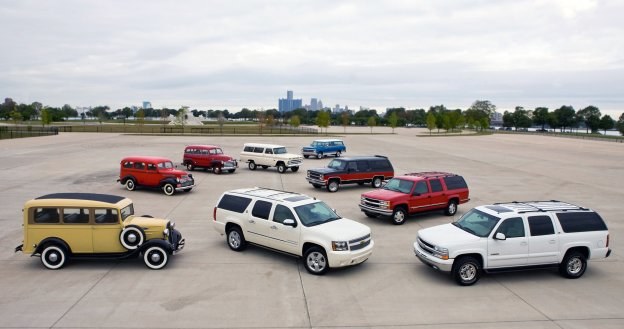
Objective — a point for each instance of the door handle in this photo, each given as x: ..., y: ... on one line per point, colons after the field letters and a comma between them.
x: 523, y: 243
x: 274, y: 227
x: 252, y: 221
x: 551, y: 241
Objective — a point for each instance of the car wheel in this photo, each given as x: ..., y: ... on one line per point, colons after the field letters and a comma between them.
x: 294, y: 169
x: 231, y: 170
x: 573, y: 265
x: 317, y: 185
x: 398, y: 216
x: 217, y: 170
x: 376, y: 183
x: 155, y: 257
x: 235, y: 239
x: 315, y: 261
x: 252, y: 165
x: 370, y: 214
x: 169, y: 189
x: 306, y: 156
x: 319, y: 155
x: 451, y: 208
x: 281, y: 168
x: 190, y: 167
x: 338, y: 154
x: 466, y: 270
x: 131, y: 237
x: 53, y: 257
x: 130, y: 184
x: 332, y: 186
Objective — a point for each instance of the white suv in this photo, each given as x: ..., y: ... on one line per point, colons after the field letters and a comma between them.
x: 509, y: 236
x: 270, y: 155
x: 292, y: 223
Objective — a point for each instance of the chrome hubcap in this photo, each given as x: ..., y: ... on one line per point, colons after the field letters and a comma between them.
x: 574, y: 266
x: 53, y: 257
x: 234, y: 239
x: 132, y: 238
x: 316, y: 261
x: 399, y: 217
x: 467, y: 272
x: 155, y: 257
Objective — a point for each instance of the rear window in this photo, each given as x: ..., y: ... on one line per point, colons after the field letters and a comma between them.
x: 541, y: 225
x: 572, y: 222
x: 234, y: 203
x: 380, y: 164
x: 455, y: 182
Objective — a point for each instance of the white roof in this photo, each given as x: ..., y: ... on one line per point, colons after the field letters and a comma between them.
x: 263, y: 145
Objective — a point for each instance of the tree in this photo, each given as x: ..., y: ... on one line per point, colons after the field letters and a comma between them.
x: 540, y: 116
x: 295, y: 121
x: 322, y: 120
x: 180, y: 118
x: 479, y: 113
x: 565, y: 117
x: 344, y: 119
x: 372, y: 122
x: 606, y: 123
x: 591, y: 117
x: 221, y: 121
x: 620, y: 124
x: 140, y: 116
x: 393, y: 119
x: 16, y: 116
x: 431, y: 121
x: 46, y: 118
x: 521, y: 118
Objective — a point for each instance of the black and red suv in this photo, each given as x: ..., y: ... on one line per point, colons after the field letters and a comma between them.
x: 416, y: 192
x: 349, y: 170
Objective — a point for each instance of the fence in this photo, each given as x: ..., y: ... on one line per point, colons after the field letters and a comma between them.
x: 9, y: 132
x: 180, y: 130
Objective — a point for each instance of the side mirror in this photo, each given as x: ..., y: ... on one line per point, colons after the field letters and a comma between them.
x: 500, y: 236
x: 290, y: 222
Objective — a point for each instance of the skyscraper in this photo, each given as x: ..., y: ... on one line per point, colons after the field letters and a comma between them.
x: 289, y: 103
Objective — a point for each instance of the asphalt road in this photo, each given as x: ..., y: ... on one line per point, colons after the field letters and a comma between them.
x: 209, y: 286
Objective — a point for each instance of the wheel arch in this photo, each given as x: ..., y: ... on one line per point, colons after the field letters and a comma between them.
x: 125, y: 178
x: 475, y: 255
x: 168, y: 180
x: 230, y: 226
x: 584, y: 250
x: 310, y: 244
x: 157, y: 242
x: 51, y: 240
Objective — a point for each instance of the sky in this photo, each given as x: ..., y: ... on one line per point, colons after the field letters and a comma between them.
x: 375, y: 54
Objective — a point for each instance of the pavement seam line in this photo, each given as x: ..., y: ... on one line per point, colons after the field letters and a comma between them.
x: 529, y: 304
x: 305, y: 298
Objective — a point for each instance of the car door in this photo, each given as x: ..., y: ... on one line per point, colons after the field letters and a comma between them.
x: 106, y: 229
x: 286, y: 237
x: 77, y: 229
x: 437, y: 197
x: 543, y: 242
x: 514, y: 249
x: 420, y: 198
x: 258, y: 224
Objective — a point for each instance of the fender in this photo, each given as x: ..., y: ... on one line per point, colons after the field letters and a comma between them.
x: 125, y: 178
x: 216, y: 163
x: 157, y: 242
x: 170, y: 180
x: 46, y: 241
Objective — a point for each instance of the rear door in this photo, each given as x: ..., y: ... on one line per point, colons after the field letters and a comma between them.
x: 437, y: 197
x: 543, y: 242
x: 258, y: 224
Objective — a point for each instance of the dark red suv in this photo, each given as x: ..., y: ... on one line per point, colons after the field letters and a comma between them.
x: 208, y: 157
x: 155, y: 172
x: 416, y: 192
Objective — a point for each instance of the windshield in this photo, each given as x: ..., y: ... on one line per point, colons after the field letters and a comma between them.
x: 477, y: 222
x: 218, y: 151
x: 165, y: 165
x: 399, y: 185
x: 279, y: 150
x: 337, y: 164
x: 127, y: 211
x: 315, y: 213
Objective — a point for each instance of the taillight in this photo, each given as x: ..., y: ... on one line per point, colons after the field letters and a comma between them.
x: 607, y: 240
x: 214, y: 214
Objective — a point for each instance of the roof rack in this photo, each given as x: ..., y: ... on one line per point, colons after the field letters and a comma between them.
x: 429, y: 174
x: 256, y: 191
x: 540, y: 206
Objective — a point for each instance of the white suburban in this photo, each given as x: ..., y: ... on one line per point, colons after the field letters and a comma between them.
x: 270, y: 155
x: 509, y: 236
x: 292, y: 223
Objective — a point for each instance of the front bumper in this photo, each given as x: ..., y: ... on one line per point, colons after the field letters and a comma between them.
x: 429, y: 260
x: 348, y: 258
x: 177, y: 241
x: 229, y: 165
x: 183, y: 187
x: 309, y: 152
x: 316, y: 181
x: 374, y: 210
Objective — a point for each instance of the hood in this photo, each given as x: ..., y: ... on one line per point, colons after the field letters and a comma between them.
x: 223, y: 157
x: 446, y: 235
x: 323, y: 170
x: 386, y: 195
x: 287, y: 156
x: 341, y: 230
x: 175, y: 172
x: 153, y: 227
x: 309, y: 148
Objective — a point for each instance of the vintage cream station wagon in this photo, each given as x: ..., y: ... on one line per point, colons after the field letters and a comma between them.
x: 61, y: 226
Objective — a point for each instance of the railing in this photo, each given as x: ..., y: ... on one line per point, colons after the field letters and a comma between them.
x: 9, y: 132
x: 181, y: 130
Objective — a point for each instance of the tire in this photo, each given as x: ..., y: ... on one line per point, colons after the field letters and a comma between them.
x: 130, y: 184
x: 466, y: 271
x: 294, y: 169
x: 235, y: 239
x: 319, y: 155
x: 573, y: 265
x: 376, y: 183
x: 231, y: 170
x: 398, y: 216
x: 252, y: 165
x: 155, y: 257
x: 53, y: 257
x: 370, y: 214
x: 190, y: 167
x: 306, y: 156
x: 169, y: 189
x: 132, y: 237
x: 338, y: 154
x: 360, y: 183
x: 217, y: 170
x: 315, y: 261
x: 451, y: 208
x: 317, y: 185
x: 281, y: 168
x: 333, y: 185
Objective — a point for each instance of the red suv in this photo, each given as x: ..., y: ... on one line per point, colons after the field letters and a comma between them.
x: 154, y: 172
x: 416, y: 192
x: 208, y: 157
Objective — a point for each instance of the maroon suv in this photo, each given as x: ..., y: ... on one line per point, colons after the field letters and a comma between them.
x: 208, y: 157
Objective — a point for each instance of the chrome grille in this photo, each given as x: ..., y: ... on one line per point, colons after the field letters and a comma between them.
x: 359, y: 243
x: 372, y: 203
x: 426, y: 246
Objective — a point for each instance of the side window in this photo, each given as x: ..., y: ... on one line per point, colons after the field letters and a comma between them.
x: 281, y: 213
x: 212, y: 151
x: 261, y: 209
x: 46, y: 215
x: 541, y: 225
x: 234, y: 203
x: 75, y: 215
x: 436, y: 186
x: 421, y: 188
x: 581, y: 222
x: 352, y: 166
x: 106, y: 216
x: 363, y: 165
x: 268, y: 151
x: 151, y: 166
x: 455, y: 182
x: 512, y: 228
x: 128, y: 164
x: 258, y: 149
x: 248, y: 149
x: 139, y: 165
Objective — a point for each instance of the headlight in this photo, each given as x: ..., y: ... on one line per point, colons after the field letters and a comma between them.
x: 385, y: 204
x: 321, y: 177
x: 178, y: 179
x: 340, y: 246
x: 362, y: 199
x: 441, y: 253
x: 166, y: 233
x: 308, y: 174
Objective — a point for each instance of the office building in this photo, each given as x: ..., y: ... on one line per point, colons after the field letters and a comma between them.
x: 289, y: 103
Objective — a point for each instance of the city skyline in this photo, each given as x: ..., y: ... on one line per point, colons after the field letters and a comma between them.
x: 221, y: 55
